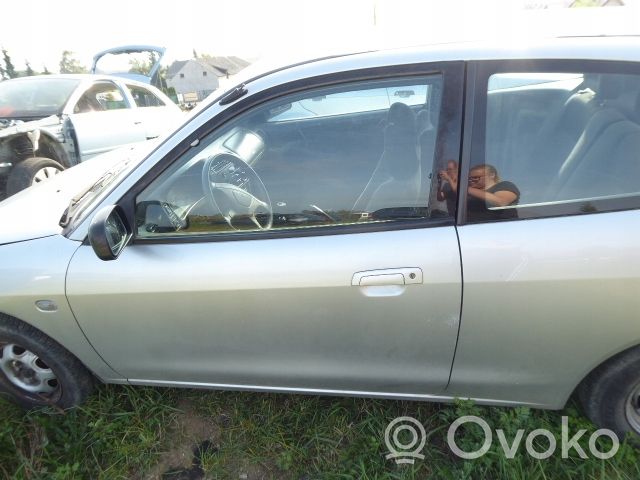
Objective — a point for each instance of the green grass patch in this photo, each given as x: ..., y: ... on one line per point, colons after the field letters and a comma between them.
x: 125, y: 432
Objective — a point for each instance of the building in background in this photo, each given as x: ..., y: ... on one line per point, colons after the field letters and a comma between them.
x: 196, y: 78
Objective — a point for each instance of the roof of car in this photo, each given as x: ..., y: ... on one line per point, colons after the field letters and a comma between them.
x: 81, y: 77
x: 621, y: 48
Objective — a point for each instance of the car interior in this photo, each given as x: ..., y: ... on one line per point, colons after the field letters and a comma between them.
x: 302, y: 171
x: 562, y: 143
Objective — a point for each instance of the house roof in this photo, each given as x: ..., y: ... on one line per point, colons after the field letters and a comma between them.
x: 222, y: 66
x: 175, y: 67
x: 225, y: 65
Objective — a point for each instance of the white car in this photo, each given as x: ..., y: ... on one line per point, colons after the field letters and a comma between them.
x: 52, y: 122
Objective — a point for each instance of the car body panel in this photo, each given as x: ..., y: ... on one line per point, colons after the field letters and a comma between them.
x: 35, y: 270
x: 99, y: 132
x: 157, y: 52
x: 39, y: 216
x: 37, y: 211
x: 286, y: 315
x: 560, y: 307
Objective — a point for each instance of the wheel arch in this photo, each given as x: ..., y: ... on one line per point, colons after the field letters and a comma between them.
x: 49, y: 147
x: 580, y: 390
x: 10, y: 320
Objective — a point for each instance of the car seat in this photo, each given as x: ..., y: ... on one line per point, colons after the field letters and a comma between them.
x: 396, y: 180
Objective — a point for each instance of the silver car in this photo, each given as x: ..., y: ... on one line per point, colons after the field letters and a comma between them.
x: 425, y: 224
x: 52, y: 122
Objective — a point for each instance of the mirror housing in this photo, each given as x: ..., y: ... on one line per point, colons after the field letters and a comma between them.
x: 109, y: 232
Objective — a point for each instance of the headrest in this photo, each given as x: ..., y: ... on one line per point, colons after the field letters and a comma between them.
x: 401, y: 117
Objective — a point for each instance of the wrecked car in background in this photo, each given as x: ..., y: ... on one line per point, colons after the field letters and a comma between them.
x: 52, y: 122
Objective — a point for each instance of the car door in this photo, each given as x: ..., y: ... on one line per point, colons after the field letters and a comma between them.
x: 102, y: 119
x: 257, y: 264
x: 157, y: 116
x: 552, y: 279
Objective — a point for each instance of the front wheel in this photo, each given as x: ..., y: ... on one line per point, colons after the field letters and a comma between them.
x: 31, y: 171
x: 610, y: 395
x: 36, y: 371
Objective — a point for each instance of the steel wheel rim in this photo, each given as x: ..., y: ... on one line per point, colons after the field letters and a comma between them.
x: 26, y: 370
x: 44, y: 174
x: 632, y: 408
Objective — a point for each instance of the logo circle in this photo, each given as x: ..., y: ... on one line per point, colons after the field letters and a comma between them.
x: 409, y: 424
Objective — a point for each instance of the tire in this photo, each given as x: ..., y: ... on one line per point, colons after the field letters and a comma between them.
x: 31, y: 171
x: 610, y: 395
x: 36, y: 371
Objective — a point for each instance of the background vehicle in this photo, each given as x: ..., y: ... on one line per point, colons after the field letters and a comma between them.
x: 52, y: 122
x: 289, y: 238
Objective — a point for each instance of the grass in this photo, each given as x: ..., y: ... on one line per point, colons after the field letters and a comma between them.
x: 125, y: 432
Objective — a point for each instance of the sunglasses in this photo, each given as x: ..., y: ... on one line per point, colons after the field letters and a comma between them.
x: 475, y: 178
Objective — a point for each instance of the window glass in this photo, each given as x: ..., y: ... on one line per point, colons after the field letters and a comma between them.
x: 556, y: 144
x: 358, y: 163
x: 341, y: 103
x: 101, y: 97
x: 144, y: 97
x: 34, y: 96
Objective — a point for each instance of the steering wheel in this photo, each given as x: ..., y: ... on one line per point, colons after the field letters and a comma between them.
x: 234, y: 189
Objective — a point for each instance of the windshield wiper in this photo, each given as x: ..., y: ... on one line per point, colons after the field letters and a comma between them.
x: 75, y: 201
x: 102, y: 182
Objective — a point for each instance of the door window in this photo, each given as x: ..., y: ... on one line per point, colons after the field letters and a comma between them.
x: 354, y: 161
x: 555, y: 144
x: 101, y: 97
x: 144, y: 97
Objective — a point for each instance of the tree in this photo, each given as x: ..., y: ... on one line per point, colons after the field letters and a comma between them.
x: 9, y: 69
x: 29, y: 71
x: 195, y: 54
x: 45, y: 70
x: 69, y: 64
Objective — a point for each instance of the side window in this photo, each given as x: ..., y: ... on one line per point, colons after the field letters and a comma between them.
x: 144, y: 97
x: 340, y: 103
x: 101, y: 97
x: 556, y: 144
x: 358, y: 163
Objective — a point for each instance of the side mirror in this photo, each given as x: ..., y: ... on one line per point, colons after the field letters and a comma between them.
x: 109, y: 232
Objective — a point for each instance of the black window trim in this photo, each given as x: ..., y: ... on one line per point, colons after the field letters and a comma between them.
x: 448, y: 146
x: 474, y: 130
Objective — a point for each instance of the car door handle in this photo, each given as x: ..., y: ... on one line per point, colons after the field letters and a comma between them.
x: 391, y: 276
x: 137, y: 122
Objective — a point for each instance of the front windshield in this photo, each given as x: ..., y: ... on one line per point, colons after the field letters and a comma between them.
x: 35, y: 97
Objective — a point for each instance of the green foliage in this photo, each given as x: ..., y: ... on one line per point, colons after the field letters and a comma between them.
x: 122, y: 431
x: 29, y: 71
x: 9, y: 70
x: 143, y: 67
x: 116, y: 433
x: 69, y: 64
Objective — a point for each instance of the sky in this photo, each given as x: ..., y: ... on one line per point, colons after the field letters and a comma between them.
x: 252, y: 29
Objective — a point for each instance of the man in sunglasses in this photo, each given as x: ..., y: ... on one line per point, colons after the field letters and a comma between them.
x: 489, y: 197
